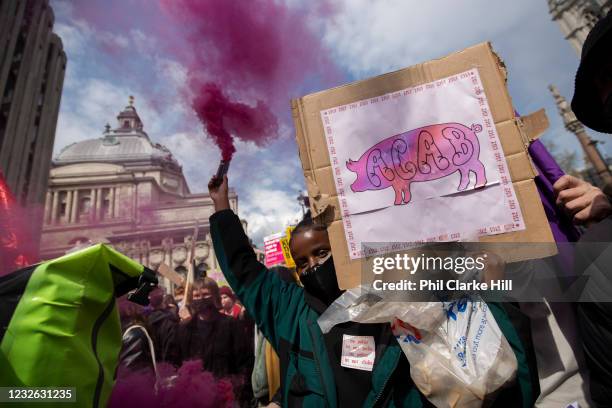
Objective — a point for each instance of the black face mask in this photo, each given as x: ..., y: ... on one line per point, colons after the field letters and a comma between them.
x: 321, y: 282
x: 203, y: 305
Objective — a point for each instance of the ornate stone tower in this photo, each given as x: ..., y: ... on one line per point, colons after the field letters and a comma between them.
x: 577, y: 17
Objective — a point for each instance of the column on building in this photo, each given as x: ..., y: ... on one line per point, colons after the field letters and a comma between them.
x: 92, y: 201
x: 69, y: 199
x: 112, y: 202
x: 48, y: 203
x: 98, y: 209
x: 117, y: 202
x: 54, y: 210
x: 74, y: 213
x: 135, y: 213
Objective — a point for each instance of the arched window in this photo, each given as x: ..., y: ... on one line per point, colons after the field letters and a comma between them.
x: 200, y: 271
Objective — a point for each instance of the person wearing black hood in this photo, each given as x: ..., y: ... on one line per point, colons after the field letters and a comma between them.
x: 216, y: 339
x: 592, y: 104
x: 312, y: 374
x: 161, y: 321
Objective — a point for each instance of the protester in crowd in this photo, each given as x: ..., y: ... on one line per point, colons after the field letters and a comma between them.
x: 136, y: 352
x: 229, y: 307
x: 161, y: 321
x: 592, y: 104
x: 287, y: 315
x: 266, y: 370
x: 216, y: 339
x: 562, y: 371
x: 171, y: 305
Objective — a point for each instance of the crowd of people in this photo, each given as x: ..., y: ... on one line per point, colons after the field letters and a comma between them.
x: 213, y: 328
x: 262, y: 333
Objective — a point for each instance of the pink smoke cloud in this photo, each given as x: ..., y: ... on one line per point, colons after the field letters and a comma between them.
x: 247, y: 59
x: 222, y: 118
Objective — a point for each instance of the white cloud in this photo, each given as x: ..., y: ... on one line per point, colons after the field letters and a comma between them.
x: 145, y: 44
x: 370, y: 38
x: 198, y: 156
x: 374, y: 37
x: 171, y: 70
x: 112, y: 40
x: 74, y: 37
x: 72, y: 128
x: 268, y: 211
x: 93, y: 103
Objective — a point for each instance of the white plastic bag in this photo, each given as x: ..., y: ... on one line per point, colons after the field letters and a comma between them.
x: 456, y: 350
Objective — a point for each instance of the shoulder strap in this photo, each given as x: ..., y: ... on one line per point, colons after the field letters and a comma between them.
x: 151, y: 348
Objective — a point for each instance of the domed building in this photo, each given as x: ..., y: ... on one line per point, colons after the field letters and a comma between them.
x: 128, y: 191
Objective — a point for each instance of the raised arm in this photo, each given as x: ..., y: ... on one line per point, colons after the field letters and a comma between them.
x: 266, y: 297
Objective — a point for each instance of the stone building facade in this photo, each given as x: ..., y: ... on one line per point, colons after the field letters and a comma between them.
x: 577, y: 17
x: 32, y: 68
x: 128, y: 191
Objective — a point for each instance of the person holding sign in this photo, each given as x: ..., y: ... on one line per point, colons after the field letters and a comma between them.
x: 587, y: 204
x: 354, y: 364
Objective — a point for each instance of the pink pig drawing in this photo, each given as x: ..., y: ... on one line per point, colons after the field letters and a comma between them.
x: 420, y: 155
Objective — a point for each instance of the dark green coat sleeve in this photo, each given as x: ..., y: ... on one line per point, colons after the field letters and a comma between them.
x: 273, y: 304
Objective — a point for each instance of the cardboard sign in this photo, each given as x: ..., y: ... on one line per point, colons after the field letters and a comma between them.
x: 165, y: 271
x: 273, y: 250
x: 408, y: 155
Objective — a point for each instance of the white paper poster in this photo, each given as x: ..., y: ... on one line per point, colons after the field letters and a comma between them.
x: 422, y: 164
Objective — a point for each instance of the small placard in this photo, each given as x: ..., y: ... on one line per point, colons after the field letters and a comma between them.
x: 358, y: 352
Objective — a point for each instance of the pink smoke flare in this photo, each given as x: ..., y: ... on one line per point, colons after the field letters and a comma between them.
x: 222, y: 118
x: 247, y: 59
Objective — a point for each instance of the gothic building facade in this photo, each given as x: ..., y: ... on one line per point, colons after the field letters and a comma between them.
x: 130, y: 192
x: 577, y: 17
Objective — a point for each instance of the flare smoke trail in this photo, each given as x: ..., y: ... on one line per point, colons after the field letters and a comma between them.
x: 246, y: 60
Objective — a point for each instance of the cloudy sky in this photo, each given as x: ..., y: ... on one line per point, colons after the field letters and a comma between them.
x: 120, y: 48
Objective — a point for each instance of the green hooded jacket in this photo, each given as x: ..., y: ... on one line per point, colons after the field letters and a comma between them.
x: 282, y: 312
